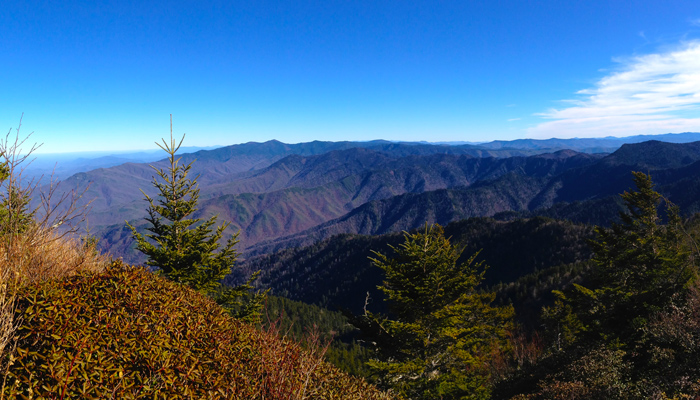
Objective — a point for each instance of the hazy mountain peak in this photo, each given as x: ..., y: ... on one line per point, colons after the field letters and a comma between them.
x: 656, y: 154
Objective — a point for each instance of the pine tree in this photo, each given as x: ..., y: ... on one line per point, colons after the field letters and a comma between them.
x: 5, y: 208
x: 15, y: 212
x: 642, y: 252
x: 187, y: 250
x: 624, y: 334
x: 441, y: 328
x: 641, y: 263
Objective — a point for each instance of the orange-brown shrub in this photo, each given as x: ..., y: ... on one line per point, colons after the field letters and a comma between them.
x: 126, y: 333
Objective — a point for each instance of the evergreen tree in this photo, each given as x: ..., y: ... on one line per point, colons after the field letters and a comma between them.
x: 441, y: 329
x: 625, y: 333
x: 15, y: 213
x: 5, y: 209
x: 187, y: 250
x: 640, y: 264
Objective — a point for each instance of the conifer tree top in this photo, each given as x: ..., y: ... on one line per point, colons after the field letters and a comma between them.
x: 183, y: 248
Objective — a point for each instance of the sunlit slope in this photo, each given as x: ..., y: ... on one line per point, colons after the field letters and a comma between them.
x: 297, y: 192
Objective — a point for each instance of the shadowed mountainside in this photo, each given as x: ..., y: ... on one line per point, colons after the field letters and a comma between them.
x: 300, y: 192
x: 281, y: 195
x: 341, y: 273
x: 586, y: 194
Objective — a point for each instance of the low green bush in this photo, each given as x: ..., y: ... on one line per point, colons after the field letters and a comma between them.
x: 126, y: 333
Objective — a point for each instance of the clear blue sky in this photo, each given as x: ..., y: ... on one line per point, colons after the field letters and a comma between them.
x: 105, y: 75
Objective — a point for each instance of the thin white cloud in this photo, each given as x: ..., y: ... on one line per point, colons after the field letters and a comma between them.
x: 650, y: 94
x: 513, y: 119
x: 695, y: 22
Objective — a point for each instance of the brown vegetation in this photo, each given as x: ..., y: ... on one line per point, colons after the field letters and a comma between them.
x: 127, y: 333
x: 36, y: 242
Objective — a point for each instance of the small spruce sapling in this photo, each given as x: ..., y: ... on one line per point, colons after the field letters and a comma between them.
x: 187, y: 250
x: 15, y: 213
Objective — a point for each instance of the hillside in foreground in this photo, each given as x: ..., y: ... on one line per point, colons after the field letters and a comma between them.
x: 132, y: 334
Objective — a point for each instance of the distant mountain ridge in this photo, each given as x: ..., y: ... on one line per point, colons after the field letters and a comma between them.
x: 65, y: 165
x: 589, y: 145
x: 280, y: 195
x: 586, y: 193
x: 298, y: 193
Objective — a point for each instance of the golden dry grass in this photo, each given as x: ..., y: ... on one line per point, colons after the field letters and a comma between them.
x: 8, y: 324
x: 41, y: 254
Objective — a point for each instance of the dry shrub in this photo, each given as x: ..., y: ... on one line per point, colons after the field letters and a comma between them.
x: 291, y: 364
x: 41, y: 254
x: 38, y: 225
x: 36, y: 237
x: 8, y: 324
x: 521, y: 351
x: 126, y: 333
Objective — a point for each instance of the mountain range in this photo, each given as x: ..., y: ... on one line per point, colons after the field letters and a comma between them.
x: 577, y: 187
x: 63, y: 165
x: 289, y: 195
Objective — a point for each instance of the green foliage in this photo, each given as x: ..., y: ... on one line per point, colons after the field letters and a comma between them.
x: 298, y: 320
x: 530, y: 293
x: 671, y: 337
x: 187, y: 250
x: 240, y: 301
x: 602, y: 373
x: 15, y: 214
x: 184, y: 251
x: 130, y: 334
x: 341, y: 273
x: 4, y: 171
x: 640, y: 264
x: 626, y: 333
x: 441, y: 329
x: 565, y: 325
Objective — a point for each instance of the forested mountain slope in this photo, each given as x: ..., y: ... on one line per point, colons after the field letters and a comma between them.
x: 279, y: 195
x: 586, y: 193
x: 341, y: 273
x: 297, y: 192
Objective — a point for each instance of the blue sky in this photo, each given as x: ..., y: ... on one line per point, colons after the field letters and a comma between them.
x: 103, y: 75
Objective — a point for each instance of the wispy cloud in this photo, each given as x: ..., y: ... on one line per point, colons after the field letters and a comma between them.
x: 695, y: 21
x: 654, y: 93
x: 513, y: 119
